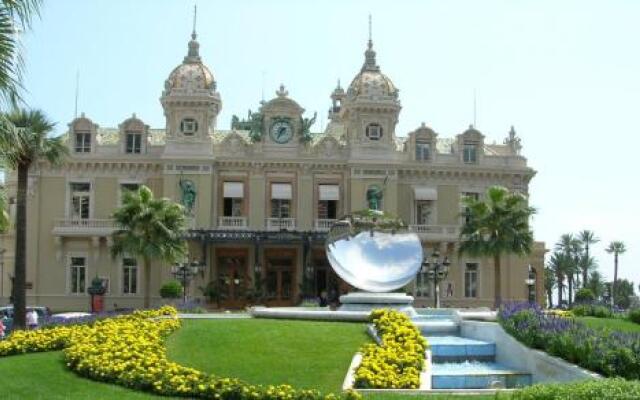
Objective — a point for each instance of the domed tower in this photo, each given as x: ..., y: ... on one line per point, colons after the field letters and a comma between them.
x: 371, y: 106
x: 191, y: 106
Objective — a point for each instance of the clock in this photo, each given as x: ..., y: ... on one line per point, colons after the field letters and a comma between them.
x: 281, y: 132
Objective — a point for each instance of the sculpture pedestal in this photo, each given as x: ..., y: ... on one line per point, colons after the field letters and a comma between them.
x: 368, y: 301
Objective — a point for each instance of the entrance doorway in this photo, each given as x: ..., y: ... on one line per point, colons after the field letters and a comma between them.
x: 280, y: 277
x: 232, y: 277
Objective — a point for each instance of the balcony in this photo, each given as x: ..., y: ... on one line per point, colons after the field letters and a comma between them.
x: 83, y: 227
x: 278, y: 224
x: 232, y: 222
x: 436, y: 232
x: 324, y: 224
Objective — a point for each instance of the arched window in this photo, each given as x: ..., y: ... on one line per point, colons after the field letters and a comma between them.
x: 374, y: 131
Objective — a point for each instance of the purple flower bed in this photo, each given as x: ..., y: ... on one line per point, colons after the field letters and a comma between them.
x: 608, y: 352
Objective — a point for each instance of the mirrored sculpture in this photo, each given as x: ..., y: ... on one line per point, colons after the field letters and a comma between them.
x: 373, y: 251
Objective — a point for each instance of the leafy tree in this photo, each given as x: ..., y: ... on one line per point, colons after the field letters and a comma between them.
x: 623, y: 292
x: 495, y: 227
x: 15, y: 15
x: 549, y: 284
x: 5, y: 221
x: 596, y: 284
x: 23, y: 141
x: 616, y: 248
x: 151, y: 229
x: 571, y: 247
x: 586, y: 264
x: 587, y: 238
x: 585, y: 295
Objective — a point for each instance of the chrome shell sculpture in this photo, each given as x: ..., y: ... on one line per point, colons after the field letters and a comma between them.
x: 373, y: 252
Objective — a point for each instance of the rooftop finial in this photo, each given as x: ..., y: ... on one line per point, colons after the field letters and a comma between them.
x: 370, y: 44
x: 195, y: 14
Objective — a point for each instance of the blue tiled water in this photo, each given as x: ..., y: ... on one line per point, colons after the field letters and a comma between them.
x: 464, y: 363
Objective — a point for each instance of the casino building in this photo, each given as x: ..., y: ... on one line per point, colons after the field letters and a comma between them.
x: 262, y: 195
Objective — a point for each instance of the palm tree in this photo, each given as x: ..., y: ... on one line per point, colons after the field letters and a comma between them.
x: 497, y: 227
x: 571, y: 247
x: 558, y: 266
x: 151, y: 229
x: 5, y: 221
x: 15, y: 15
x: 617, y: 248
x: 24, y: 141
x: 587, y: 238
x: 549, y: 284
x: 596, y: 284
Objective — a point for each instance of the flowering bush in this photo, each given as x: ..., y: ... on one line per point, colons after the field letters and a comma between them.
x: 610, y: 353
x: 128, y: 350
x: 397, y: 362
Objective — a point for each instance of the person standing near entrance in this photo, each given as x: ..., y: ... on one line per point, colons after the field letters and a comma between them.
x: 32, y: 319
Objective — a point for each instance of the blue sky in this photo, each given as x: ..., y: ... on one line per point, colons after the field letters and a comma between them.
x: 565, y: 74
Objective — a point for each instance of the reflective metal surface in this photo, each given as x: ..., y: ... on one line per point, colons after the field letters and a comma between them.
x: 372, y: 254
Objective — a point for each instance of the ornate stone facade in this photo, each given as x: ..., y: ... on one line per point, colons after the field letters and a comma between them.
x: 262, y: 195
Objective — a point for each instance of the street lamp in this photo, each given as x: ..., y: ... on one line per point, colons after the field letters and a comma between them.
x: 531, y: 283
x: 184, y: 273
x: 436, y: 270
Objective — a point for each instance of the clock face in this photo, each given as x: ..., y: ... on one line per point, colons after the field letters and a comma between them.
x: 281, y: 132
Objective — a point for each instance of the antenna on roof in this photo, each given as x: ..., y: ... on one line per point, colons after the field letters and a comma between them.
x: 370, y: 33
x: 75, y: 111
x: 195, y: 14
x: 262, y: 93
x: 474, y: 108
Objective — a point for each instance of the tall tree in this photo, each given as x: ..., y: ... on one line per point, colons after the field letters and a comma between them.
x: 151, y: 229
x: 24, y: 141
x: 571, y: 247
x: 596, y: 284
x: 616, y: 248
x: 558, y: 265
x: 5, y: 221
x: 15, y: 15
x: 549, y: 284
x: 587, y: 238
x: 495, y: 227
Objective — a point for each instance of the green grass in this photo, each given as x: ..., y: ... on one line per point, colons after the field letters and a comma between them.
x: 303, y: 354
x: 44, y: 376
x: 616, y: 324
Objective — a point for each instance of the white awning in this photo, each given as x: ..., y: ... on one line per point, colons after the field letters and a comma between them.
x: 329, y: 192
x: 281, y: 191
x: 233, y: 189
x: 425, y: 193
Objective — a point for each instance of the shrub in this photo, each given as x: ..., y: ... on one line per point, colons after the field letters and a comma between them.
x: 591, y: 310
x: 612, y: 354
x: 634, y: 315
x: 594, y: 389
x: 171, y: 290
x: 395, y: 363
x: 585, y: 295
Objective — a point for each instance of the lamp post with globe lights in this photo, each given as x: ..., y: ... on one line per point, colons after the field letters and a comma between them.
x: 437, y: 270
x: 184, y: 272
x: 530, y: 281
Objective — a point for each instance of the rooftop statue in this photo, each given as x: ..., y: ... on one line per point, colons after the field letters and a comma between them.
x: 305, y: 127
x: 253, y: 123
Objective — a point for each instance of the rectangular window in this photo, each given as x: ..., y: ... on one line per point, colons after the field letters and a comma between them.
x: 134, y: 143
x: 83, y: 142
x: 327, y: 209
x: 77, y: 275
x: 471, y: 280
x: 232, y: 207
x: 473, y: 195
x: 233, y: 194
x: 129, y: 276
x: 423, y: 212
x: 470, y: 153
x: 80, y: 200
x: 280, y: 208
x: 423, y: 150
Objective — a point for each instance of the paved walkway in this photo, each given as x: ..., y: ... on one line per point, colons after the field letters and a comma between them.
x: 218, y: 315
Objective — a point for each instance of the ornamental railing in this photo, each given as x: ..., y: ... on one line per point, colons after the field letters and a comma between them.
x: 232, y: 222
x: 277, y: 224
x: 324, y: 224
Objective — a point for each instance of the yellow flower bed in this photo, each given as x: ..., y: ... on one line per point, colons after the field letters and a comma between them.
x: 129, y: 351
x: 397, y: 363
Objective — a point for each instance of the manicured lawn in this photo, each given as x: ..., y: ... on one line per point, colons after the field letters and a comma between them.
x: 303, y: 354
x: 44, y: 376
x: 615, y: 324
